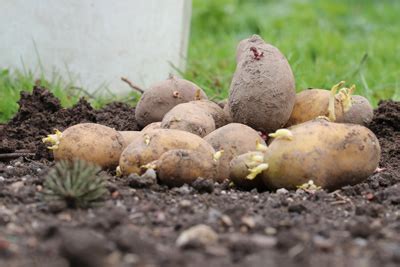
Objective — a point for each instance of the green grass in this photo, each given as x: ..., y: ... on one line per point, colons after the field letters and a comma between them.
x: 324, y: 41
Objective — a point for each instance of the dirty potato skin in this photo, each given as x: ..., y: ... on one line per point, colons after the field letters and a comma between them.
x: 189, y: 117
x: 312, y: 103
x: 181, y: 166
x: 163, y: 96
x: 330, y: 154
x: 91, y: 142
x: 214, y: 110
x: 150, y: 146
x: 239, y: 169
x: 129, y: 136
x: 262, y: 92
x: 234, y: 139
x: 361, y: 111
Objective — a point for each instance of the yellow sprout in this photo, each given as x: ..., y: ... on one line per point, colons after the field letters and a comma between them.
x: 332, y: 97
x: 256, y: 171
x: 217, y: 155
x: 260, y: 147
x: 257, y: 158
x: 53, y: 139
x: 309, y: 186
x: 345, y: 97
x: 282, y: 133
x: 150, y: 165
x: 118, y: 171
x: 197, y: 95
x: 146, y: 139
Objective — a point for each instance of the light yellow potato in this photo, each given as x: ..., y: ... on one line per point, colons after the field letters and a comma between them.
x: 189, y: 117
x: 181, y: 166
x: 313, y: 103
x: 129, y: 136
x: 150, y: 146
x: 91, y: 142
x: 152, y: 126
x: 234, y: 139
x: 330, y: 154
x: 241, y: 168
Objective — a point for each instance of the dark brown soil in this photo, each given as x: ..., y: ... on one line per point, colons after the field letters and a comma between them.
x: 139, y: 222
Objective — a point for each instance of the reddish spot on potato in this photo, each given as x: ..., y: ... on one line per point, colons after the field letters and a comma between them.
x: 257, y: 55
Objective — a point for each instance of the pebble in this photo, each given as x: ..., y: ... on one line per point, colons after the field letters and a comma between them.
x: 200, y: 234
x: 248, y: 222
x: 185, y: 203
x: 16, y: 186
x: 2, y: 178
x: 270, y: 231
x: 282, y: 191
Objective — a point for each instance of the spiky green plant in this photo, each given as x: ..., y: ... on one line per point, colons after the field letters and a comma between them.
x: 77, y: 183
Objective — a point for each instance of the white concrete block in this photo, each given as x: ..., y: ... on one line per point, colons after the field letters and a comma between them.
x: 95, y: 42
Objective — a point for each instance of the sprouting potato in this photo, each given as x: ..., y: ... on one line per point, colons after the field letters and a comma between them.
x: 181, y: 166
x: 329, y: 154
x: 91, y: 142
x: 245, y: 169
x: 152, y: 126
x: 163, y: 96
x: 150, y: 146
x: 339, y: 106
x: 233, y: 139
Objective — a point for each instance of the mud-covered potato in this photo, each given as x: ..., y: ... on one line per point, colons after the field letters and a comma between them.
x: 243, y: 170
x: 163, y: 96
x: 262, y: 92
x: 129, y: 136
x: 330, y: 154
x: 189, y: 117
x: 150, y: 146
x: 339, y: 107
x: 181, y: 166
x: 91, y: 142
x: 214, y: 110
x: 234, y: 139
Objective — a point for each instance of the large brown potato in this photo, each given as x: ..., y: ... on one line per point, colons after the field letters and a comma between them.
x: 163, y: 96
x: 330, y: 154
x: 189, y: 117
x: 181, y: 166
x: 150, y: 146
x: 234, y: 139
x: 262, y: 91
x: 91, y: 142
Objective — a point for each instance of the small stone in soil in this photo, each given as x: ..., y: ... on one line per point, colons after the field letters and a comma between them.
x: 144, y: 181
x: 203, y: 185
x: 197, y: 236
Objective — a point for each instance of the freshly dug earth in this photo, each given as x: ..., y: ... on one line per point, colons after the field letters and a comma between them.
x: 355, y: 226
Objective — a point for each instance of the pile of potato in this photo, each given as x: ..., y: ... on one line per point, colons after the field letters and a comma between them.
x: 186, y: 136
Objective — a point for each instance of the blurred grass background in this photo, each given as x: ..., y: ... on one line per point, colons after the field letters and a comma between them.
x: 324, y: 41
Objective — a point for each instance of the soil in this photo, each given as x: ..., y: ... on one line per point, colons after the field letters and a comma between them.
x: 139, y: 222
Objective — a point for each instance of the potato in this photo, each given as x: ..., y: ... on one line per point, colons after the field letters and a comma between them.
x: 129, y: 136
x: 189, y: 117
x: 347, y: 108
x: 181, y: 166
x: 330, y: 154
x: 152, y: 126
x: 91, y: 142
x: 241, y: 167
x: 163, y: 96
x: 234, y: 139
x: 361, y: 111
x: 262, y: 92
x: 214, y: 110
x: 150, y: 146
